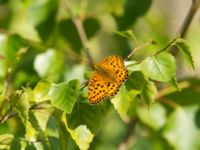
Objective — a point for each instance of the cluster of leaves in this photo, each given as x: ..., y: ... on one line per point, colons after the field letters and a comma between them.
x: 40, y: 111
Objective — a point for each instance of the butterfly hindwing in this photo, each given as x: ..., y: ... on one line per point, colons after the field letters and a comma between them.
x: 97, y: 88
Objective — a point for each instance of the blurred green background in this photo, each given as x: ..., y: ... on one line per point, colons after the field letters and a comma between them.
x: 38, y: 40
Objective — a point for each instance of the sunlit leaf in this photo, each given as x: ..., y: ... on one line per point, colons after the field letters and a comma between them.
x: 154, y: 117
x: 38, y: 11
x: 185, y: 50
x: 149, y: 92
x: 41, y: 91
x: 5, y: 140
x: 81, y: 135
x: 122, y: 101
x: 42, y: 115
x: 64, y: 95
x: 160, y: 67
x: 49, y: 64
x: 22, y: 104
x: 180, y: 130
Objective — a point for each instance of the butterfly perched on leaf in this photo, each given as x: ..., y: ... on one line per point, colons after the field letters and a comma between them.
x: 107, y: 78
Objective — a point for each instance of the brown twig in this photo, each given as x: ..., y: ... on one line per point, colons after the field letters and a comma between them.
x: 81, y: 31
x: 187, y: 22
x: 168, y: 90
x: 140, y: 47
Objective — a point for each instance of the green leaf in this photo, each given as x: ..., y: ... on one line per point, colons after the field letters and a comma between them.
x: 22, y: 104
x: 38, y: 11
x: 174, y: 83
x: 122, y: 101
x: 185, y: 50
x: 160, y: 67
x: 181, y: 131
x: 127, y: 34
x: 149, y: 92
x: 132, y: 11
x: 13, y: 44
x: 64, y: 96
x: 154, y: 117
x: 41, y: 91
x: 137, y: 81
x: 84, y: 113
x: 49, y: 64
x: 5, y: 140
x: 41, y: 116
x: 81, y: 135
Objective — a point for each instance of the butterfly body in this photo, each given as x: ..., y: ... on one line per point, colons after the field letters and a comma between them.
x: 106, y: 73
x: 107, y: 78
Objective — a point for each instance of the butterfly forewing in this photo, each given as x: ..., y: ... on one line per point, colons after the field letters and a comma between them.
x: 107, y: 79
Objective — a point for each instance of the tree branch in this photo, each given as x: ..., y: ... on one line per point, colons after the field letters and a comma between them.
x: 81, y: 31
x: 10, y: 114
x: 187, y: 22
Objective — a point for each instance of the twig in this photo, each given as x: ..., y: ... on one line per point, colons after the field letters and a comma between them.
x: 187, y: 22
x: 170, y: 103
x: 81, y: 31
x: 168, y: 90
x: 11, y: 113
x: 140, y: 47
x: 131, y: 126
x: 8, y: 116
x: 168, y: 44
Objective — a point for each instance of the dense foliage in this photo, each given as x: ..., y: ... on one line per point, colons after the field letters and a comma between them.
x: 47, y: 48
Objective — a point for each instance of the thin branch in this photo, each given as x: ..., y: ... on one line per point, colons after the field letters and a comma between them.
x: 170, y: 103
x: 131, y: 126
x: 81, y: 31
x: 189, y: 17
x: 168, y: 44
x: 140, y: 47
x: 168, y: 90
x: 187, y: 22
x: 10, y: 114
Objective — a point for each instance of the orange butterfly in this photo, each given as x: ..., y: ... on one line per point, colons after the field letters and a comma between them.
x: 107, y: 78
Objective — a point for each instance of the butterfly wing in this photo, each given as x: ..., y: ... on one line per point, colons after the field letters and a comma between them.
x: 112, y: 89
x: 116, y: 65
x: 97, y: 88
x: 107, y: 79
